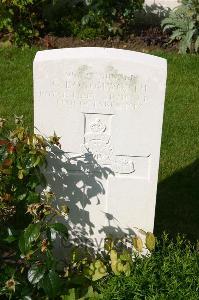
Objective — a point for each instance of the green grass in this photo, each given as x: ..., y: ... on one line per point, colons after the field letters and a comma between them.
x: 178, y: 189
x: 16, y: 84
x: 170, y: 273
x: 177, y: 207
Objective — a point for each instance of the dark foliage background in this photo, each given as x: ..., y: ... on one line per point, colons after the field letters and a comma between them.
x: 22, y: 21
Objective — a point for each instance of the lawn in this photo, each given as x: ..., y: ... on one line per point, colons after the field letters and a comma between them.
x: 178, y: 189
x: 170, y: 273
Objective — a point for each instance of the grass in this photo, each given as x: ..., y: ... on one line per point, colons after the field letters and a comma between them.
x: 178, y: 189
x: 16, y: 84
x: 170, y: 273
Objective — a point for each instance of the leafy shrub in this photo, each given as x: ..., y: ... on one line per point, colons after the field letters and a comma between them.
x: 22, y: 20
x: 112, y: 17
x: 183, y: 22
x: 88, y: 33
x: 63, y: 16
x: 27, y: 216
x: 92, y: 18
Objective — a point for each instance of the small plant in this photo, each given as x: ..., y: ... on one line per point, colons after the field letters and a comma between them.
x: 28, y: 218
x: 21, y: 156
x: 31, y: 223
x: 183, y: 22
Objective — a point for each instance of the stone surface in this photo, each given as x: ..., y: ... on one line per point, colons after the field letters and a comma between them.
x: 107, y: 106
x: 164, y: 3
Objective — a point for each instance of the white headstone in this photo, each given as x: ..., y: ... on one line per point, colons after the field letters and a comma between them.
x: 107, y: 106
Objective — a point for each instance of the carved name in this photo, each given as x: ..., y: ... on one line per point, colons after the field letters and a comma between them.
x: 97, y: 90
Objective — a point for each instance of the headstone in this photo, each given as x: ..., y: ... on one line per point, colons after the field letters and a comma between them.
x: 107, y: 107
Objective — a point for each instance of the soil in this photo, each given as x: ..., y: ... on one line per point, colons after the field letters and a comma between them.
x: 144, y: 41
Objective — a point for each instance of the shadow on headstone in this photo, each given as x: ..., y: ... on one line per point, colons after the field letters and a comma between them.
x: 177, y: 206
x: 78, y: 183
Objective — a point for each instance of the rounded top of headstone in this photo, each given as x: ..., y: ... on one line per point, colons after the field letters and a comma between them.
x: 103, y: 53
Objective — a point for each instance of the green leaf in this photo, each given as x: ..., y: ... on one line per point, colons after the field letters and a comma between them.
x: 168, y: 26
x: 113, y: 256
x: 60, y: 228
x: 141, y: 231
x: 85, y: 20
x: 183, y: 46
x: 188, y: 38
x: 126, y: 256
x: 51, y: 284
x: 11, y: 236
x: 36, y: 161
x: 22, y: 197
x: 23, y: 246
x: 10, y: 239
x: 117, y: 267
x: 165, y: 21
x: 33, y: 197
x: 137, y: 243
x: 115, y: 262
x: 108, y: 244
x: 32, y: 232
x: 50, y: 260
x: 150, y: 241
x: 89, y: 294
x: 70, y: 295
x: 197, y: 44
x: 127, y: 269
x: 30, y: 235
x: 97, y: 270
x: 176, y: 35
x: 20, y: 174
x: 35, y: 274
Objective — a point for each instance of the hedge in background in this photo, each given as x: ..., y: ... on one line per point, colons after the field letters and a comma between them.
x: 21, y: 21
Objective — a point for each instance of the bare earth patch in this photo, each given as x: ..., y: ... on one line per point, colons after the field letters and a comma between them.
x: 145, y: 41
